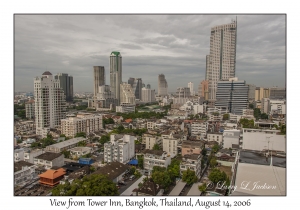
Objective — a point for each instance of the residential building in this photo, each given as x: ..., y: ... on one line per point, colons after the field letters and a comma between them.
x: 220, y: 63
x: 151, y: 124
x: 199, y: 128
x: 99, y: 79
x: 30, y: 109
x: 232, y: 94
x: 148, y: 95
x: 50, y: 103
x: 191, y: 147
x: 203, y: 89
x: 264, y: 105
x: 125, y: 108
x: 115, y: 74
x: 155, y: 158
x: 29, y: 155
x: 218, y: 137
x: 192, y: 162
x: 191, y: 86
x: 66, y: 83
x: 65, y: 145
x: 127, y: 95
x: 277, y: 93
x: 19, y: 154
x: 183, y: 92
x: 77, y: 152
x: 162, y: 85
x: 263, y: 139
x: 149, y: 188
x: 251, y: 93
x: 114, y: 170
x: 52, y: 177
x: 261, y: 93
x: 136, y: 85
x: 277, y: 107
x: 83, y: 122
x: 231, y: 137
x: 248, y: 112
x: 120, y: 148
x: 151, y: 140
x: 49, y: 159
x: 24, y: 172
x: 170, y: 145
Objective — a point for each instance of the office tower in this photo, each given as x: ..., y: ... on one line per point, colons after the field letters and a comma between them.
x: 136, y: 84
x: 148, y: 95
x: 50, y: 103
x: 251, y: 94
x: 191, y: 86
x: 115, y: 74
x: 148, y: 86
x: 220, y: 63
x: 99, y: 78
x: 162, y: 85
x: 66, y: 83
x: 183, y: 92
x: 203, y: 89
x: 126, y: 94
x: 277, y: 93
x: 261, y: 93
x: 232, y: 94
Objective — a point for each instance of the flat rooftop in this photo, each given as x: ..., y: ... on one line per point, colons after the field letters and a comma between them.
x: 259, y: 158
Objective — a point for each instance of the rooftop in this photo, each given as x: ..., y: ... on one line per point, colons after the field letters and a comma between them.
x: 52, y: 174
x: 112, y: 169
x: 66, y: 143
x: 153, y: 152
x: 191, y: 156
x: 46, y: 73
x: 188, y: 143
x: 49, y: 156
x: 18, y: 165
x: 149, y: 187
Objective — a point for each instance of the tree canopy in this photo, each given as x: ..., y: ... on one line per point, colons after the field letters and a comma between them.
x: 189, y: 177
x: 81, y: 134
x: 217, y: 176
x: 93, y: 185
x: 144, y: 115
x: 226, y: 116
x: 156, y: 147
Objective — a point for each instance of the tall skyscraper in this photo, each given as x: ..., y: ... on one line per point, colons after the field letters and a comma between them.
x: 99, y: 78
x: 233, y: 94
x: 50, y: 103
x: 162, y: 85
x: 126, y: 94
x: 115, y: 74
x: 203, y: 89
x: 191, y: 86
x: 220, y: 63
x: 136, y: 84
x: 66, y: 83
x: 148, y: 95
x: 148, y: 86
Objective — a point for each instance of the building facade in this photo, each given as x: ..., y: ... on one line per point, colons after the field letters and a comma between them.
x: 127, y: 95
x: 30, y: 109
x: 162, y: 85
x: 155, y: 158
x: 192, y: 162
x: 183, y: 92
x: 203, y: 89
x: 148, y: 95
x: 99, y: 79
x: 220, y: 63
x: 66, y: 83
x: 115, y: 74
x: 191, y: 86
x: 136, y: 85
x: 50, y: 103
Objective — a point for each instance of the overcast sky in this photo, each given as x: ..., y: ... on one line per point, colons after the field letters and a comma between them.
x: 174, y: 45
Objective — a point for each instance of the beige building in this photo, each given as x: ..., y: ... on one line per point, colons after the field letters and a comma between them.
x: 80, y: 151
x: 126, y: 94
x: 29, y: 109
x: 150, y: 140
x: 192, y: 162
x: 203, y: 89
x: 83, y: 122
x: 170, y: 146
x: 261, y: 93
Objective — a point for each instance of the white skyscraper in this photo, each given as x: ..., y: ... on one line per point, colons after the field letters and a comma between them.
x: 115, y: 74
x: 220, y: 63
x: 148, y: 95
x: 162, y: 85
x: 191, y: 86
x: 50, y: 103
x: 126, y: 94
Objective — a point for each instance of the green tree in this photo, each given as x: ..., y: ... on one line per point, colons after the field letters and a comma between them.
x: 204, y: 152
x: 81, y: 134
x: 92, y: 185
x: 141, y: 162
x: 162, y: 178
x: 47, y: 141
x: 22, y: 114
x: 189, y: 177
x: 62, y: 135
x: 156, y: 147
x: 66, y: 153
x: 81, y: 144
x: 132, y: 170
x: 202, y: 188
x: 137, y: 174
x: 246, y: 123
x: 104, y: 139
x: 264, y: 116
x: 92, y: 169
x: 257, y: 113
x: 283, y: 129
x: 226, y: 116
x: 215, y: 148
x: 217, y: 176
x: 213, y: 162
x: 174, y: 169
x: 35, y: 145
x: 19, y: 141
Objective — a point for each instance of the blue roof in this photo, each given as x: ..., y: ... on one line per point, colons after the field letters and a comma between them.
x: 133, y: 162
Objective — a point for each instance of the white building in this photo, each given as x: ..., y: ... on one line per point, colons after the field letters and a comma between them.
x: 127, y: 95
x: 19, y: 154
x: 151, y: 140
x: 231, y: 137
x: 31, y: 154
x: 80, y: 151
x: 24, y: 172
x: 155, y: 158
x: 50, y: 103
x: 30, y: 109
x: 125, y: 108
x: 191, y: 86
x: 218, y: 137
x: 120, y: 148
x: 277, y: 106
x: 148, y: 95
x: 192, y: 162
x: 195, y: 108
x: 199, y: 128
x: 49, y: 159
x: 83, y: 122
x: 220, y: 63
x: 264, y: 105
x: 261, y: 139
x: 170, y: 146
x: 65, y: 145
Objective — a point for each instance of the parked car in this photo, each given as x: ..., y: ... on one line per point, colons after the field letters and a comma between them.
x: 131, y: 177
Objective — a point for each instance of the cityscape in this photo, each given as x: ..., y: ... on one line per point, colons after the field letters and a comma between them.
x: 211, y: 123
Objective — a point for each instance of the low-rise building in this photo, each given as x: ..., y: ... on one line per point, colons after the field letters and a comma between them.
x: 18, y: 154
x: 149, y: 188
x: 52, y: 177
x: 80, y: 151
x: 231, y: 137
x: 29, y: 155
x: 150, y: 140
x: 199, y: 128
x: 24, y: 172
x: 170, y: 145
x: 49, y: 159
x: 155, y: 158
x: 218, y: 137
x: 29, y: 109
x: 125, y: 108
x: 65, y: 145
x: 192, y: 162
x: 191, y: 147
x: 114, y: 171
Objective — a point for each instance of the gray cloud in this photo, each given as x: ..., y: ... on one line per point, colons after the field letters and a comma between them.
x: 175, y: 45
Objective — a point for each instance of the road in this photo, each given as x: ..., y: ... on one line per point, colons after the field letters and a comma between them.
x: 128, y: 191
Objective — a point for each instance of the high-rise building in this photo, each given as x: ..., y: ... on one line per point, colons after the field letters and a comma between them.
x: 148, y: 95
x: 29, y: 109
x: 277, y: 93
x: 251, y: 94
x: 148, y: 86
x: 126, y: 94
x: 203, y: 89
x: 183, y: 92
x: 220, y: 63
x: 162, y: 85
x: 261, y: 93
x: 115, y: 74
x: 50, y: 103
x: 66, y: 83
x: 232, y: 94
x: 99, y: 78
x: 136, y: 84
x: 191, y: 86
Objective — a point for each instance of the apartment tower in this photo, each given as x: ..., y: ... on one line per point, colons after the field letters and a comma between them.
x: 162, y: 85
x: 99, y: 78
x: 136, y: 84
x: 115, y: 74
x: 66, y: 83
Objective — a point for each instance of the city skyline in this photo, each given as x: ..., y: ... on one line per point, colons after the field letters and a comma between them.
x: 48, y: 42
